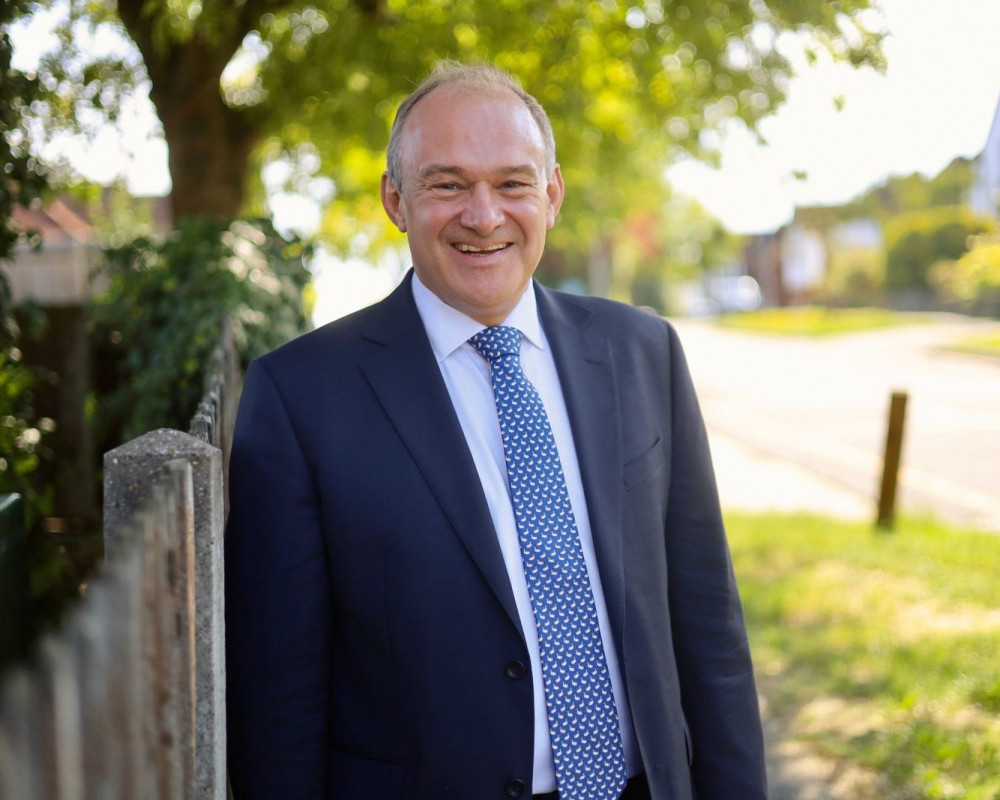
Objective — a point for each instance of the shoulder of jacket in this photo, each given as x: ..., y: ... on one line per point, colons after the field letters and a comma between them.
x: 616, y: 319
x: 323, y: 345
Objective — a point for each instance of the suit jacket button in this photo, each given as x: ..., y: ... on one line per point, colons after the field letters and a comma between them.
x: 514, y: 787
x: 514, y: 670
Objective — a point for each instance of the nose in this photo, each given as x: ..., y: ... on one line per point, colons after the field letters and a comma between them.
x: 482, y: 212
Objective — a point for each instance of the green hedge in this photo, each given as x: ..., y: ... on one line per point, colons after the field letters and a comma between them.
x: 972, y: 281
x: 161, y: 316
x: 918, y: 240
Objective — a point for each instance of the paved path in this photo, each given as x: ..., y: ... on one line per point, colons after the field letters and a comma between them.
x: 800, y: 423
x: 752, y: 480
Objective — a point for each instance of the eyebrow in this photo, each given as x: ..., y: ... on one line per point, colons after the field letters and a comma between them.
x: 433, y: 170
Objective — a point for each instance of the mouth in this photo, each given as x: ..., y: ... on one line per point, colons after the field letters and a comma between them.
x: 485, y: 250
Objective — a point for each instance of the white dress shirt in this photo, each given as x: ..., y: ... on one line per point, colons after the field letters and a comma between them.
x: 467, y: 377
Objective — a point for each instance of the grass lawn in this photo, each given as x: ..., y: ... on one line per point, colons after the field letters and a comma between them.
x: 987, y: 344
x: 880, y: 651
x: 817, y: 320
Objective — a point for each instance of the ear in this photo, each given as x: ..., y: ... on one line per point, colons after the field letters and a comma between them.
x: 555, y: 190
x: 392, y: 202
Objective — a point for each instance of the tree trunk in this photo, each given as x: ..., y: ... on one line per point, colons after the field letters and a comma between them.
x: 209, y: 149
x: 209, y: 143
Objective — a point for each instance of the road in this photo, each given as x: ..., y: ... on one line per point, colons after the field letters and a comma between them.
x: 820, y: 406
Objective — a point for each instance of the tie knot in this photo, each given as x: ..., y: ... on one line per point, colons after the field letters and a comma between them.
x: 496, y: 342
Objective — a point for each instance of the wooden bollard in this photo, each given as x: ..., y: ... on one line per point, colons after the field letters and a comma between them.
x: 890, y: 464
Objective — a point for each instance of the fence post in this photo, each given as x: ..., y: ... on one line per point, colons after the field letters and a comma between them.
x: 109, y: 718
x: 61, y: 709
x: 215, y: 418
x: 26, y: 764
x: 13, y: 581
x: 129, y: 473
x: 890, y: 464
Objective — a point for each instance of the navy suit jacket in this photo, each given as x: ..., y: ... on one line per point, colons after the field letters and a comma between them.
x: 374, y: 650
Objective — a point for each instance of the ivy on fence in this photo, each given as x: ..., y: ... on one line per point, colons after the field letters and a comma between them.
x: 159, y: 319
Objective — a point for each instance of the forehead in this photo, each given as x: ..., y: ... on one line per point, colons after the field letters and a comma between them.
x: 474, y: 125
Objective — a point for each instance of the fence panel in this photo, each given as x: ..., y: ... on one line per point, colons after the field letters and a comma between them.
x: 127, y: 699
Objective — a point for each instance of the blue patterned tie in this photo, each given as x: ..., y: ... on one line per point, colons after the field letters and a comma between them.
x: 583, y: 723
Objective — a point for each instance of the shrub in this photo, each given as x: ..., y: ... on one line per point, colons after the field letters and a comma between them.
x: 917, y: 240
x: 23, y: 432
x: 972, y: 281
x: 161, y: 316
x: 855, y: 276
x: 22, y: 436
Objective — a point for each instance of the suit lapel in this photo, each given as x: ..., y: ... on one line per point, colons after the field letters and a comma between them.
x: 405, y: 376
x: 586, y: 371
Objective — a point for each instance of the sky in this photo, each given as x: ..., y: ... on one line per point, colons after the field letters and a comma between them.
x: 935, y: 101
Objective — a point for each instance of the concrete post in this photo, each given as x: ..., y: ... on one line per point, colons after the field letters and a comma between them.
x: 129, y: 473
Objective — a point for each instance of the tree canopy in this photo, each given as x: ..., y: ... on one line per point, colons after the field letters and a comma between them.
x: 915, y: 192
x: 23, y: 177
x: 241, y: 83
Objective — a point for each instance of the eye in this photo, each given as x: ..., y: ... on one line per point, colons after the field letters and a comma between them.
x: 447, y: 186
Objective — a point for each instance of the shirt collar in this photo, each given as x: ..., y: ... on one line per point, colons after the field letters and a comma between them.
x: 448, y: 328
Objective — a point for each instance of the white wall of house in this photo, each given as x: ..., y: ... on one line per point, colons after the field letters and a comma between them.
x: 985, y: 193
x: 803, y: 259
x: 57, y: 275
x: 856, y: 233
x: 60, y: 273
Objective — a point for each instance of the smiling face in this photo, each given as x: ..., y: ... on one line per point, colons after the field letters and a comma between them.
x: 476, y: 201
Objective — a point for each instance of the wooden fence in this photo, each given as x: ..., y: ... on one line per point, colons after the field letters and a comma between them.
x: 127, y: 700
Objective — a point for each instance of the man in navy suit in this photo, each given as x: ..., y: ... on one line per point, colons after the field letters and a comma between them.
x: 381, y: 639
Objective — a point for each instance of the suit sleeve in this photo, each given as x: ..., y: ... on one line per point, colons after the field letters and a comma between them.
x: 278, y: 602
x: 710, y: 641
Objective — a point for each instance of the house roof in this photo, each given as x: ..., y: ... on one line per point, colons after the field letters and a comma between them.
x: 63, y: 221
x: 66, y: 221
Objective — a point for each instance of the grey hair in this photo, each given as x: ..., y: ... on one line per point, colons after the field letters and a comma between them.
x: 485, y: 77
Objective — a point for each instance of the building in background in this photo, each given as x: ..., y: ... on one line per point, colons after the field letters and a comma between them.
x: 58, y: 275
x: 985, y: 193
x: 789, y: 264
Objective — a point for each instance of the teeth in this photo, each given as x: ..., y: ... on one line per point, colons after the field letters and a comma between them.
x: 468, y: 248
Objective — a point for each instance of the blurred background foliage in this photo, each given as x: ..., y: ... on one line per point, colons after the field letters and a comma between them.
x: 23, y: 434
x: 918, y: 239
x: 313, y: 87
x: 160, y: 318
x: 925, y: 230
x: 23, y: 180
x: 915, y: 192
x: 972, y: 280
